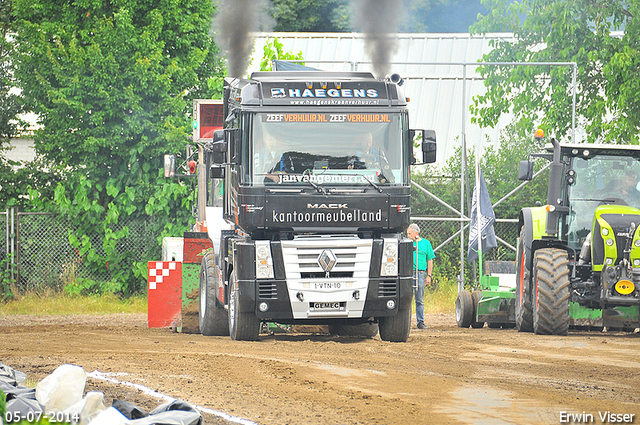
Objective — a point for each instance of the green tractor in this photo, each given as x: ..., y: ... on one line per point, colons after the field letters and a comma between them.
x: 578, y: 257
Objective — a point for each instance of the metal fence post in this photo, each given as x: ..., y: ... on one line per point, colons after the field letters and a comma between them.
x: 11, y: 235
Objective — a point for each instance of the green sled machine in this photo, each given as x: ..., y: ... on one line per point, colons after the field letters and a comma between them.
x: 578, y: 256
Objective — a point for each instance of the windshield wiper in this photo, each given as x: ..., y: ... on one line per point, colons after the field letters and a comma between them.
x: 378, y: 188
x: 316, y: 186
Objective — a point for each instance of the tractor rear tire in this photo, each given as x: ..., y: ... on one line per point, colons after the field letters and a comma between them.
x: 243, y: 326
x: 464, y: 309
x: 524, y: 309
x: 396, y: 328
x: 552, y: 296
x: 213, y: 319
x: 476, y: 296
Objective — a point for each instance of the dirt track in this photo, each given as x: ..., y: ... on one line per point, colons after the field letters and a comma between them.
x: 442, y: 375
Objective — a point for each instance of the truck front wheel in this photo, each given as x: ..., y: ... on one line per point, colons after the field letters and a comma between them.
x: 213, y: 317
x: 396, y: 328
x: 551, y: 300
x: 243, y: 326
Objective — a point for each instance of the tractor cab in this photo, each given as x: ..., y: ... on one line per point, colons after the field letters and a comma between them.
x: 582, y: 249
x: 601, y: 185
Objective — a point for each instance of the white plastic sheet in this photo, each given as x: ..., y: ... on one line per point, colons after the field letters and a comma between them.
x: 62, y: 389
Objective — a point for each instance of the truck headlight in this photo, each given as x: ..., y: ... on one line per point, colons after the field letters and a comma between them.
x: 389, y: 265
x: 264, y: 261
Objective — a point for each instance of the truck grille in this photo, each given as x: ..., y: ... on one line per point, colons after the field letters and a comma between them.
x: 323, y: 275
x: 302, y: 257
x: 387, y: 289
x: 267, y: 290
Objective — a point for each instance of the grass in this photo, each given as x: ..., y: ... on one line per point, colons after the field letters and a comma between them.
x: 440, y: 301
x: 61, y: 304
x: 443, y: 299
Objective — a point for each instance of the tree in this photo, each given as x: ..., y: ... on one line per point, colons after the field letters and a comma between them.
x: 10, y: 105
x: 10, y: 108
x: 441, y: 16
x: 311, y: 15
x: 580, y: 31
x: 335, y: 15
x: 109, y: 82
x: 275, y: 50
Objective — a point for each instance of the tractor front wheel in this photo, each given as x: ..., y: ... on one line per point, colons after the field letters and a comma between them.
x: 524, y: 310
x: 551, y: 297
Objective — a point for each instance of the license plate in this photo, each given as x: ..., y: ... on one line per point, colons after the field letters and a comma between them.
x: 327, y: 285
x: 327, y: 306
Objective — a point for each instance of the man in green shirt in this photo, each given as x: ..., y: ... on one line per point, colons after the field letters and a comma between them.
x: 423, y: 256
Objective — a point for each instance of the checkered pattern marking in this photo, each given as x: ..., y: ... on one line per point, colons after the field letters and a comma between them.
x: 159, y: 272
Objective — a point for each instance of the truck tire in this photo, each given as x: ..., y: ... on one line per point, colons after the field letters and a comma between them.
x: 523, y: 307
x: 213, y: 317
x: 396, y: 328
x: 464, y: 309
x: 367, y: 330
x: 476, y: 296
x: 243, y: 326
x: 551, y: 278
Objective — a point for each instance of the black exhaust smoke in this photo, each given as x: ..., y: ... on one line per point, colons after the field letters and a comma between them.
x: 378, y: 20
x: 234, y: 23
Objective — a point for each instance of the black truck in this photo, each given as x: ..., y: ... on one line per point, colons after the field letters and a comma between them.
x: 312, y: 170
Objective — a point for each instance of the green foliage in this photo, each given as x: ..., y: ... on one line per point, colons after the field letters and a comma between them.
x: 335, y: 15
x: 311, y: 15
x: 3, y: 404
x: 11, y: 185
x: 10, y: 103
x: 17, y: 178
x: 108, y: 81
x: 6, y: 291
x: 608, y: 78
x: 275, y: 50
x: 436, y: 15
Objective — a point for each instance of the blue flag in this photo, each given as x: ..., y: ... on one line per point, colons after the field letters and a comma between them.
x: 486, y: 223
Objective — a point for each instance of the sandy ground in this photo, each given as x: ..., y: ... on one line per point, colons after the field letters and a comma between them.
x: 442, y: 375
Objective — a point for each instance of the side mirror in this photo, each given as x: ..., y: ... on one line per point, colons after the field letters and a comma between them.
x: 219, y: 147
x: 428, y: 146
x: 169, y: 165
x: 216, y: 172
x: 525, y: 171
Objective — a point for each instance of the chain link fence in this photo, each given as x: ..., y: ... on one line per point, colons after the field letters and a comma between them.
x: 44, y: 258
x: 441, y: 232
x: 36, y: 254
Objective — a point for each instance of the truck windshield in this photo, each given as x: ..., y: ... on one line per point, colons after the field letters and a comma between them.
x: 328, y: 148
x: 600, y: 180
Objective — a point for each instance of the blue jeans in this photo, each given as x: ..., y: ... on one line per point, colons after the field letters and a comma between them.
x: 419, y: 278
